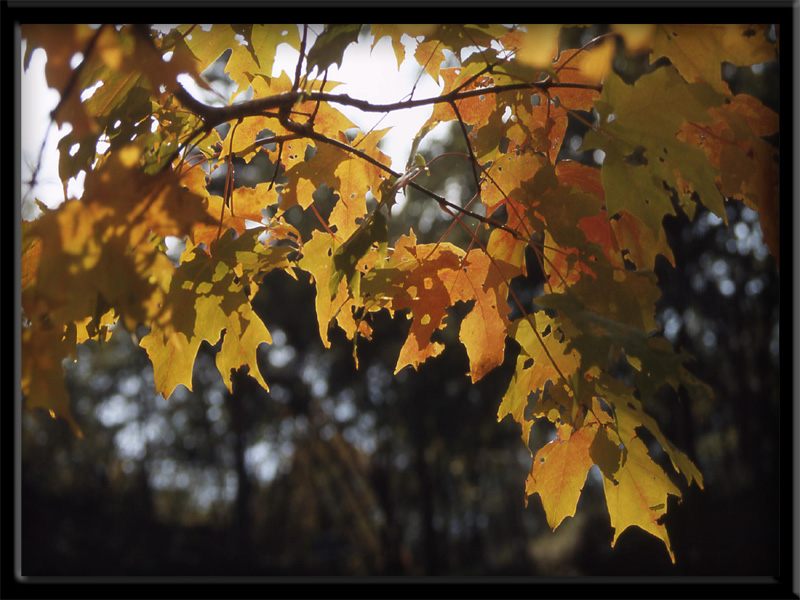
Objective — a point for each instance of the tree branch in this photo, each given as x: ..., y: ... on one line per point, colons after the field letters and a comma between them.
x: 213, y: 116
x: 216, y: 115
x: 448, y: 98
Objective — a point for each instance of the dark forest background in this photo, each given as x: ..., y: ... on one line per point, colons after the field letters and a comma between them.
x: 344, y: 472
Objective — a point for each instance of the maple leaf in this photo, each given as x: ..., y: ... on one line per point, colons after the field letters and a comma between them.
x: 103, y: 246
x: 430, y: 55
x: 203, y: 300
x: 672, y: 139
x: 748, y: 164
x: 698, y: 50
x: 643, y: 154
x: 507, y: 175
x: 263, y: 40
x: 207, y: 45
x: 247, y: 204
x: 559, y: 471
x: 354, y: 179
x: 332, y: 301
x: 623, y: 235
x: 636, y: 490
x: 347, y: 256
x: 543, y: 358
x: 331, y: 44
x: 629, y: 414
x: 305, y: 177
x: 486, y: 278
x: 42, y: 378
x: 475, y: 110
x: 427, y: 294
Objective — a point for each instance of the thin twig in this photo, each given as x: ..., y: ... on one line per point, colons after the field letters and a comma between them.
x: 473, y: 158
x: 299, y: 66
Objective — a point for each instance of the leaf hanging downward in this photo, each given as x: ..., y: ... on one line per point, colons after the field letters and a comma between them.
x: 203, y: 301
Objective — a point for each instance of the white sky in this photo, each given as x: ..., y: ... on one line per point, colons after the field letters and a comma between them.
x: 37, y: 102
x: 371, y: 76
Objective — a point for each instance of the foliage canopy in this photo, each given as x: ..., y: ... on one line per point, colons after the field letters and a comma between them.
x: 590, y: 356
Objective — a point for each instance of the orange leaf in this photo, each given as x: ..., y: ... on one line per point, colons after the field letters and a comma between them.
x: 427, y: 295
x: 559, y: 471
x: 485, y: 277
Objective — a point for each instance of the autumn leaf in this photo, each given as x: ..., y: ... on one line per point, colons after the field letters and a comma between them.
x: 353, y: 249
x: 395, y: 33
x: 247, y: 204
x: 474, y: 110
x: 698, y: 51
x: 305, y: 177
x: 354, y: 180
x: 318, y: 261
x: 543, y: 358
x: 486, y: 278
x: 206, y: 46
x: 429, y: 54
x: 643, y: 154
x: 427, y: 295
x: 263, y: 41
x: 559, y: 471
x: 539, y: 45
x: 203, y: 300
x: 747, y: 163
x: 549, y: 259
x: 42, y: 379
x: 630, y: 415
x: 636, y: 492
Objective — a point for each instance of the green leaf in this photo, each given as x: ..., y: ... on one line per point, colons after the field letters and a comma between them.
x: 643, y: 157
x: 330, y: 46
x: 698, y: 51
x: 346, y: 257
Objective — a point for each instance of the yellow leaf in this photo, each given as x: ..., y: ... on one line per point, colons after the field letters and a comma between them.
x: 542, y: 359
x: 698, y: 51
x: 539, y: 45
x: 559, y: 471
x: 202, y: 302
x: 598, y: 61
x: 355, y: 177
x: 485, y: 279
x: 244, y: 333
x: 638, y: 37
x: 637, y: 494
x: 317, y: 260
x: 430, y: 56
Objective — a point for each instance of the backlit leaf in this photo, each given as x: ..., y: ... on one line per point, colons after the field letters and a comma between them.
x: 331, y: 44
x: 698, y: 51
x: 559, y: 471
x: 642, y: 155
x: 588, y: 357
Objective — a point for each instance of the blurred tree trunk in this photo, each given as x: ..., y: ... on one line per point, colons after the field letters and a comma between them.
x: 239, y: 427
x: 430, y: 546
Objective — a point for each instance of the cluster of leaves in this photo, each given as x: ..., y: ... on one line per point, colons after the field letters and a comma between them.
x: 590, y: 356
